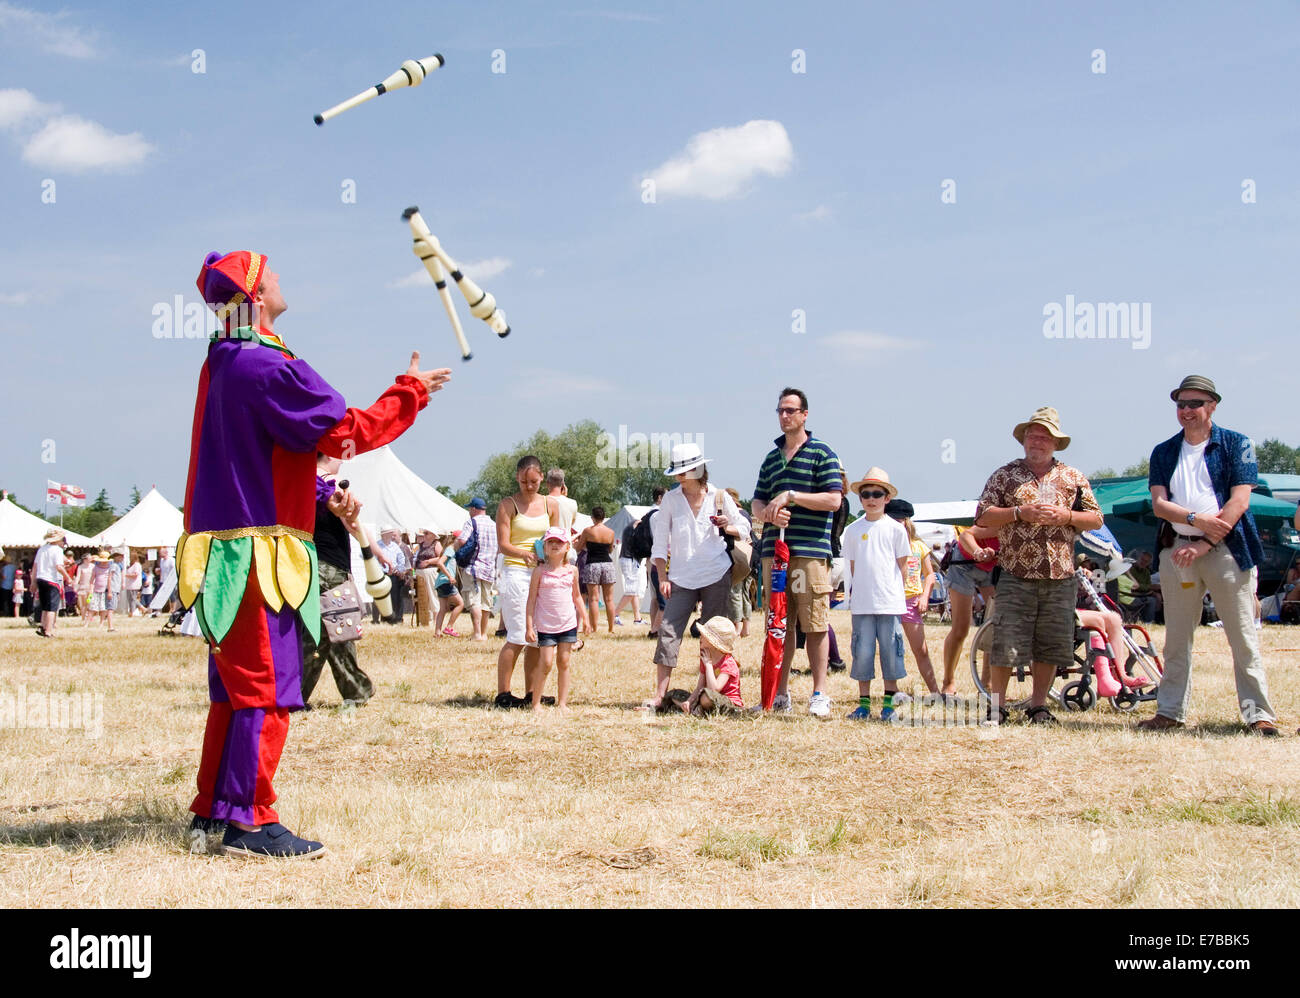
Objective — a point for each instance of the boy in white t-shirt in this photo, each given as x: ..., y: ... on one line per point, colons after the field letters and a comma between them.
x: 876, y: 549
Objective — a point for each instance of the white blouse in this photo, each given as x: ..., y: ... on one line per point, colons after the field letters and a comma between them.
x: 696, y: 553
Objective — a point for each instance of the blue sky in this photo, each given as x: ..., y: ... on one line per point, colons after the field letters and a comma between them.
x: 924, y: 320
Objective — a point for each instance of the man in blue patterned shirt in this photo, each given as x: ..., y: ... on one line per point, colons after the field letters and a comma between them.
x: 799, y: 489
x: 1201, y: 480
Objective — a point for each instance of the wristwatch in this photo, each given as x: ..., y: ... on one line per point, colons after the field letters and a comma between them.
x: 1191, y: 519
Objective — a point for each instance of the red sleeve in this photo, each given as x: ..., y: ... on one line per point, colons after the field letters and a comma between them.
x: 362, y: 430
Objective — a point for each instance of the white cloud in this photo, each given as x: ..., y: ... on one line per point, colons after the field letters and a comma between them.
x: 485, y: 270
x: 14, y: 298
x: 816, y: 215
x: 75, y: 144
x: 50, y: 32
x: 857, y: 340
x: 18, y: 106
x: 476, y: 270
x: 720, y: 163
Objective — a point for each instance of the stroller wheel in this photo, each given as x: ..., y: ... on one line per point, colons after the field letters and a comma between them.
x: 1077, y: 695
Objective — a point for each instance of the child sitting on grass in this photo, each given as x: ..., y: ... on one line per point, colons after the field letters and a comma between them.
x: 553, y: 614
x: 718, y: 691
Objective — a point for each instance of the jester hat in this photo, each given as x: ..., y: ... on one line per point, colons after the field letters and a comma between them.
x: 229, y: 281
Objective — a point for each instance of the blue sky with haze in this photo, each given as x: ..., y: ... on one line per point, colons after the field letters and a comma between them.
x: 924, y: 319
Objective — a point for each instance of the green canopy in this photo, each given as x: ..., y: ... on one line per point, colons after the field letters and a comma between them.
x: 1130, y: 498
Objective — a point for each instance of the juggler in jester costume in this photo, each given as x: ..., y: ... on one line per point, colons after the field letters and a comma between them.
x: 246, y: 561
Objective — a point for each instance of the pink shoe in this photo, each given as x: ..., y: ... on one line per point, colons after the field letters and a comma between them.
x: 450, y: 633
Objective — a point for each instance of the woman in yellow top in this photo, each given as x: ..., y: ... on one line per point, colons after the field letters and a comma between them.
x: 917, y: 583
x: 521, y: 521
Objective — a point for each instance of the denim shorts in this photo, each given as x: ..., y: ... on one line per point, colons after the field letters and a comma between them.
x: 965, y: 577
x: 870, y: 629
x: 561, y: 638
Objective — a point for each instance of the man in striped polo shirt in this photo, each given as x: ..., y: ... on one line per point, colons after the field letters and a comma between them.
x: 799, y: 488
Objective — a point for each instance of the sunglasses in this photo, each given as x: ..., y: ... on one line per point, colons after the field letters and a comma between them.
x: 787, y: 411
x: 872, y: 494
x: 1190, y: 403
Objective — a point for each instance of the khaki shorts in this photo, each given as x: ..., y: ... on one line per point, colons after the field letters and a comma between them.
x: 807, y: 592
x: 1033, y: 621
x: 477, y: 592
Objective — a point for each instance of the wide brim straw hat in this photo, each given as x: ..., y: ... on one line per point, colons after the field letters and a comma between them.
x: 874, y: 476
x: 1048, y: 418
x: 719, y: 632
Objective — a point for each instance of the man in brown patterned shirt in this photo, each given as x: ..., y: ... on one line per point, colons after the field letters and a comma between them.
x: 1039, y: 506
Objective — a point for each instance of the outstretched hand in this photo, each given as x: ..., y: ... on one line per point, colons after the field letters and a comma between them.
x: 432, y: 380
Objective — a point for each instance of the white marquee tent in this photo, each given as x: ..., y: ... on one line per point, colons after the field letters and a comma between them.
x: 152, y: 523
x: 20, y: 529
x: 393, y: 494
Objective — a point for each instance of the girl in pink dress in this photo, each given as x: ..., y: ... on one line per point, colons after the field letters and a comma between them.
x: 554, y: 613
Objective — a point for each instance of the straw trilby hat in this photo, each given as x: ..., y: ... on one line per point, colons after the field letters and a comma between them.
x: 103, y: 555
x: 1198, y: 383
x: 1048, y: 418
x: 54, y: 534
x: 874, y: 476
x: 719, y: 632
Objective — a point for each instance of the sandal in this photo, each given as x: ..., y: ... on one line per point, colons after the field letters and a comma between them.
x: 450, y: 633
x: 1004, y: 715
x: 1040, y: 715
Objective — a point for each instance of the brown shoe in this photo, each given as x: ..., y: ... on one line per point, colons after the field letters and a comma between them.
x: 1265, y: 728
x: 1159, y: 723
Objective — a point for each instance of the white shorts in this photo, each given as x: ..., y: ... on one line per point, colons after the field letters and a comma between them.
x: 633, y: 577
x: 512, y: 600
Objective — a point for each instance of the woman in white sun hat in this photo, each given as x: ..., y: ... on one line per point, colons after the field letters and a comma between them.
x: 691, y: 555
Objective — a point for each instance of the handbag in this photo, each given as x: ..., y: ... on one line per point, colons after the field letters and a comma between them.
x: 340, y: 613
x: 741, y: 549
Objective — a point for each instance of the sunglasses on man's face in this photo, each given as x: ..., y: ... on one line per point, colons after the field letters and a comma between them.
x: 872, y: 494
x: 1190, y: 403
x: 784, y: 410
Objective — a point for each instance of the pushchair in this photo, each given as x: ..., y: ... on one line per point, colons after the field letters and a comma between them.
x: 1125, y: 686
x: 171, y: 628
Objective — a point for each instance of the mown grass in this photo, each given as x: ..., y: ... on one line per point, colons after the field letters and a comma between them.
x: 428, y: 796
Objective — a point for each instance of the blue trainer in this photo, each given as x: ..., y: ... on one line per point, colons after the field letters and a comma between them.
x: 860, y: 714
x: 887, y: 714
x: 272, y: 841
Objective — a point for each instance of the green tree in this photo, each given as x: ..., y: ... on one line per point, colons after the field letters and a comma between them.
x: 460, y: 497
x: 1277, y: 457
x: 583, y: 450
x: 135, y: 499
x: 1141, y: 468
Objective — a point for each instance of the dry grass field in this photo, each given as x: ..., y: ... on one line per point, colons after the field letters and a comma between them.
x: 428, y: 797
